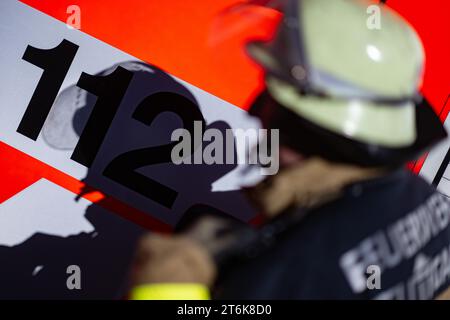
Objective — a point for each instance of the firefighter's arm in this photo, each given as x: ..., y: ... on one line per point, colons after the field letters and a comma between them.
x: 171, y: 267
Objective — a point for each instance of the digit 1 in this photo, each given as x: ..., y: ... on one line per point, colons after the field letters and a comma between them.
x: 55, y: 63
x: 110, y: 91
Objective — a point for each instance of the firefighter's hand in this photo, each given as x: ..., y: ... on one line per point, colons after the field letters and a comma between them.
x: 172, y: 259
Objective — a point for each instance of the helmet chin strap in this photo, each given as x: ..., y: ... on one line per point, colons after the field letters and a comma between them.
x: 309, y: 184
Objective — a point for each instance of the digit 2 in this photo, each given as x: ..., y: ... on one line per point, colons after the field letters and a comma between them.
x: 122, y: 169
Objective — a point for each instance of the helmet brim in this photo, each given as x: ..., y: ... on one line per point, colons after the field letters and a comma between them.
x: 310, y: 138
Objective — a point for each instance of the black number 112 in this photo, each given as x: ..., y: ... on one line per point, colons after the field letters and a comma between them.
x: 110, y: 91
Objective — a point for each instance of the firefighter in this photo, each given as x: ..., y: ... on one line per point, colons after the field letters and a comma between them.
x: 346, y: 101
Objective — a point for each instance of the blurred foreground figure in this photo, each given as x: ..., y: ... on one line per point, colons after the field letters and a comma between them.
x: 344, y: 218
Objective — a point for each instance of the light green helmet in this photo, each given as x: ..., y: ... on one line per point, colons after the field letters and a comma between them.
x: 352, y: 68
